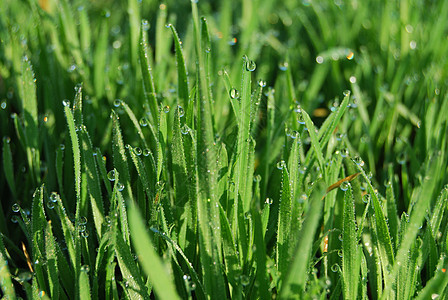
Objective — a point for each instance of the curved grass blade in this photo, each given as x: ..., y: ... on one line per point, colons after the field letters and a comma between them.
x: 294, y: 283
x: 52, y: 262
x: 151, y: 263
x: 284, y: 224
x: 5, y: 276
x: 148, y: 82
x: 182, y: 75
x: 351, y: 259
x: 93, y: 182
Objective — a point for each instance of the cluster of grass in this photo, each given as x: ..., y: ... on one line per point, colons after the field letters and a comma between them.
x: 269, y: 149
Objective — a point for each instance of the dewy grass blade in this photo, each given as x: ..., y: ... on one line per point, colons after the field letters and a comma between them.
x: 27, y: 92
x: 148, y: 82
x: 151, y: 263
x: 294, y: 282
x: 120, y: 158
x: 351, y: 259
x: 385, y: 244
x: 131, y: 275
x: 75, y: 148
x: 52, y: 263
x: 315, y: 143
x: 93, y: 182
x: 8, y: 167
x: 84, y: 284
x: 5, y: 276
x: 284, y: 223
x: 182, y: 75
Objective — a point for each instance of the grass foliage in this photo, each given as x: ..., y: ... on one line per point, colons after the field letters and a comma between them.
x: 292, y: 149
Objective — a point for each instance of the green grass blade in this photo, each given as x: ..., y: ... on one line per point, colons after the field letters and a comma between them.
x: 315, y: 142
x: 182, y: 76
x: 8, y: 167
x: 151, y: 263
x: 52, y: 265
x: 5, y: 276
x: 148, y: 82
x: 84, y: 284
x: 120, y: 158
x: 93, y: 182
x: 351, y: 259
x: 284, y: 223
x: 295, y: 280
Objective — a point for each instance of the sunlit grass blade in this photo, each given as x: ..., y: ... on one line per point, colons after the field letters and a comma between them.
x: 93, y: 182
x: 52, y: 264
x: 295, y: 280
x: 76, y: 152
x: 151, y: 263
x: 182, y: 76
x: 84, y: 284
x: 148, y: 82
x: 315, y: 142
x: 8, y: 167
x: 351, y: 259
x: 128, y: 267
x: 5, y: 276
x: 284, y: 223
x: 120, y: 158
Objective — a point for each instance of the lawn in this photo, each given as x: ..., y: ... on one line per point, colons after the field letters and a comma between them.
x: 223, y: 149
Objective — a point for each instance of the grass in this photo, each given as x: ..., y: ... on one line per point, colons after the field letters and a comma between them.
x: 249, y: 149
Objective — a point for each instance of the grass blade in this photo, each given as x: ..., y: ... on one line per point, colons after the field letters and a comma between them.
x: 151, y: 263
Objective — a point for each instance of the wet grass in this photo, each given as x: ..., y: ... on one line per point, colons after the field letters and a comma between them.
x: 249, y: 149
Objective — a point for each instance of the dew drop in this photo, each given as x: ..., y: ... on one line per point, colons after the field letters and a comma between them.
x: 85, y: 234
x: 120, y: 186
x: 137, y: 151
x: 283, y: 66
x: 180, y: 111
x: 346, y: 93
x: 402, y: 157
x: 117, y: 102
x: 3, y: 105
x: 185, y: 129
x: 15, y: 207
x: 358, y: 160
x: 261, y: 83
x: 366, y: 198
x: 66, y: 103
x: 280, y: 165
x: 145, y: 25
x: 50, y: 204
x: 143, y: 122
x: 250, y: 65
x: 244, y: 280
x: 319, y: 59
x: 166, y: 109
x: 85, y: 269
x: 344, y: 152
x: 344, y: 186
x: 111, y: 175
x: 335, y: 268
x: 234, y: 93
x: 146, y: 152
x: 269, y: 201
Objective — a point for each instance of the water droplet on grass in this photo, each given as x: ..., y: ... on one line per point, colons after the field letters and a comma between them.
x: 15, y: 207
x: 250, y: 65
x: 166, y: 109
x: 117, y: 102
x: 344, y: 186
x: 185, y: 129
x: 261, y: 83
x: 283, y: 66
x: 137, y: 151
x: 358, y: 160
x: 143, y: 122
x: 180, y: 111
x: 280, y: 165
x: 66, y: 102
x: 366, y: 198
x: 234, y: 93
x: 111, y: 175
x: 335, y: 268
x: 145, y: 25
